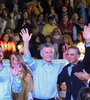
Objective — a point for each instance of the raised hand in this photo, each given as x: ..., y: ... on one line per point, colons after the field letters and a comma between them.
x: 25, y: 35
x: 14, y: 69
x: 86, y: 33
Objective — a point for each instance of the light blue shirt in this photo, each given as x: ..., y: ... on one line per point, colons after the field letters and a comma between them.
x: 70, y: 69
x: 8, y: 82
x: 44, y: 77
x: 69, y: 72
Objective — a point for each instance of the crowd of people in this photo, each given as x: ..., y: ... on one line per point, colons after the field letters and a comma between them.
x: 54, y: 18
x: 47, y: 30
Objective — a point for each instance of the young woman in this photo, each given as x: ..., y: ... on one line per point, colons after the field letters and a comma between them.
x: 24, y: 74
x: 8, y: 46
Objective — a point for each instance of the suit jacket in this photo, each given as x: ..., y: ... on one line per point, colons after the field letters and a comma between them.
x: 73, y: 83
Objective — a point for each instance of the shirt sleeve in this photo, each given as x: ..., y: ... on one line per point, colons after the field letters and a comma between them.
x: 88, y: 82
x: 30, y: 62
x: 16, y: 84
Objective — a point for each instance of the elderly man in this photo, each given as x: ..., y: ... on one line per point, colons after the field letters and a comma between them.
x: 45, y: 72
x: 67, y: 75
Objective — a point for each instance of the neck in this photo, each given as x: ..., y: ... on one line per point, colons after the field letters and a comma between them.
x: 48, y: 62
x: 63, y: 91
x: 75, y: 63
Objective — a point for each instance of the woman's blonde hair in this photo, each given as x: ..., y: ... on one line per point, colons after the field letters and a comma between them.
x: 23, y: 66
x: 69, y: 39
x: 57, y: 29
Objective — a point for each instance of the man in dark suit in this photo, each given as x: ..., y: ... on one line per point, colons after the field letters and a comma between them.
x: 67, y: 75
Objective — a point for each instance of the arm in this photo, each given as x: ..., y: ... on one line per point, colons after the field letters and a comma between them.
x: 26, y: 38
x: 62, y: 76
x: 86, y: 61
x: 27, y: 56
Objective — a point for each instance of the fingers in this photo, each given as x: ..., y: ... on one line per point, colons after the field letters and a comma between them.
x: 84, y: 71
x: 78, y: 75
x: 24, y: 31
x: 30, y: 35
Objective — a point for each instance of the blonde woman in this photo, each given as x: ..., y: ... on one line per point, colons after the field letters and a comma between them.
x: 25, y: 75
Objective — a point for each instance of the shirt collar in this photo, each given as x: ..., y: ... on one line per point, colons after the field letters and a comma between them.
x: 74, y: 64
x: 43, y: 63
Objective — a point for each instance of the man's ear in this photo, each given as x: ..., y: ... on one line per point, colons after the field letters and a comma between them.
x: 41, y: 54
x: 78, y: 56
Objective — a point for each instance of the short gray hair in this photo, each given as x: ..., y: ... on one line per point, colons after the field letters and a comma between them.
x: 46, y: 45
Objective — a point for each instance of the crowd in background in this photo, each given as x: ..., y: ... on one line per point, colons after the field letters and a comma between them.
x: 50, y: 21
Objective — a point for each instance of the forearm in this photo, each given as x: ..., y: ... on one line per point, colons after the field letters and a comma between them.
x: 26, y: 48
x: 86, y: 60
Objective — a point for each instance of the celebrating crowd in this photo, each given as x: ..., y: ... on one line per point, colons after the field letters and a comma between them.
x: 46, y: 30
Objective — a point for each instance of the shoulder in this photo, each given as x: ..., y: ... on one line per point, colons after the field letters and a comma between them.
x: 66, y: 67
x: 7, y: 68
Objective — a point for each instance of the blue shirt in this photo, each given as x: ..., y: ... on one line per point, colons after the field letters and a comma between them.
x: 44, y: 77
x: 8, y: 82
x: 70, y: 69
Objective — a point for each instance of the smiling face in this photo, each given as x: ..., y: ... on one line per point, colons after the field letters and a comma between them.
x: 13, y: 60
x: 6, y: 37
x: 63, y: 86
x: 72, y: 56
x: 47, y: 54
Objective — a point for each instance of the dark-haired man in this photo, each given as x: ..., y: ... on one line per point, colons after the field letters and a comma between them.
x: 67, y: 75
